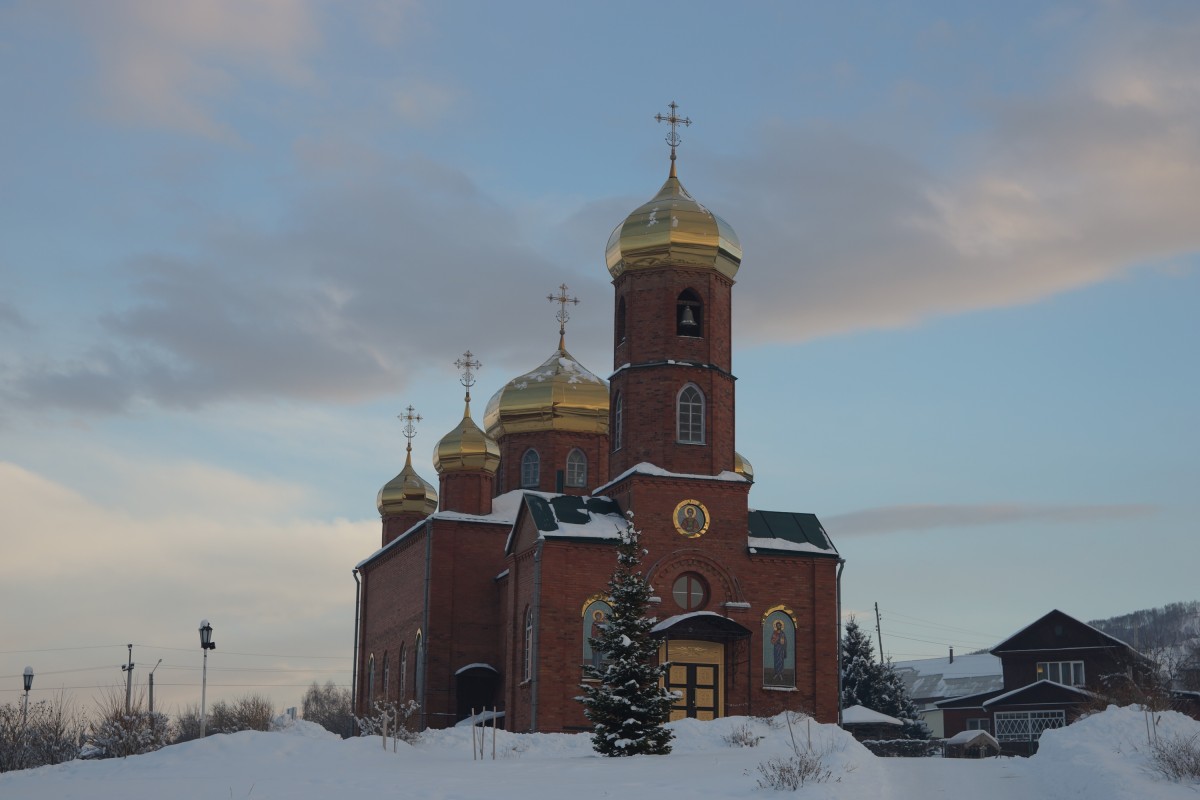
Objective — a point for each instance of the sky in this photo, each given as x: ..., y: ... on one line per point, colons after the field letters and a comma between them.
x: 1104, y: 756
x: 240, y: 237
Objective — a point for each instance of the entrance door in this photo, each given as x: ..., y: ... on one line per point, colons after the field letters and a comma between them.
x: 696, y: 685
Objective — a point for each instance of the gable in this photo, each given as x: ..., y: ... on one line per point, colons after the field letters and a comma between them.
x: 1042, y: 692
x: 545, y: 515
x: 1058, y: 631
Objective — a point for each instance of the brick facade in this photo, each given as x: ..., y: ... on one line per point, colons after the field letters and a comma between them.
x: 496, y: 590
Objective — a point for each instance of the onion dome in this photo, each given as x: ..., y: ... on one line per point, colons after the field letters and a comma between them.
x: 673, y: 229
x: 743, y: 467
x: 560, y: 395
x: 466, y: 448
x: 407, y: 493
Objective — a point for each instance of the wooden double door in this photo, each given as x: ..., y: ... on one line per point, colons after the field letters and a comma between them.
x: 695, y: 675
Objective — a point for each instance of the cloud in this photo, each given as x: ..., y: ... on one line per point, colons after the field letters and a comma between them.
x: 192, y: 541
x: 923, y: 518
x: 1072, y: 185
x: 372, y: 278
x: 165, y: 64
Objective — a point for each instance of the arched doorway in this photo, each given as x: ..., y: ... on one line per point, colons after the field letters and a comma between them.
x: 475, y: 688
x: 697, y: 645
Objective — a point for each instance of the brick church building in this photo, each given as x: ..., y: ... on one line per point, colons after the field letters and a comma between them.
x: 485, y: 590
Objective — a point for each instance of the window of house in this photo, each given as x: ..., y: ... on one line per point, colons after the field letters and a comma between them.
x: 1026, y: 726
x: 371, y: 680
x: 387, y: 675
x: 618, y: 413
x: 403, y: 671
x: 527, y: 657
x: 1068, y: 673
x: 979, y: 724
x: 689, y: 314
x: 576, y: 468
x: 690, y: 591
x: 419, y: 670
x: 531, y: 468
x: 690, y: 408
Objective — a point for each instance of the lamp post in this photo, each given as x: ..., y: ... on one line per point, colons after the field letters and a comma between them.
x: 206, y: 644
x: 28, y: 678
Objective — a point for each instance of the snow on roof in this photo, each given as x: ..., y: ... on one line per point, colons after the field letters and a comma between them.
x: 931, y: 679
x: 861, y: 715
x: 476, y: 665
x: 672, y: 621
x: 1002, y: 697
x: 1068, y: 616
x: 754, y: 542
x: 646, y: 468
x: 973, y: 737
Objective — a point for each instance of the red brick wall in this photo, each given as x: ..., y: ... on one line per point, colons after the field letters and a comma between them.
x: 467, y: 492
x: 552, y: 447
x: 396, y: 524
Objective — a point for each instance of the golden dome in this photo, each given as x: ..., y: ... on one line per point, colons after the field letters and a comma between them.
x: 673, y: 229
x: 407, y: 493
x: 560, y: 395
x: 743, y: 467
x: 466, y: 448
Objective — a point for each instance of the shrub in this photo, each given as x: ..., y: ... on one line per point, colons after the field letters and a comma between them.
x: 329, y: 707
x: 906, y: 748
x: 49, y: 735
x: 251, y: 712
x: 1177, y: 758
x: 390, y: 719
x: 187, y: 724
x: 742, y: 736
x: 792, y: 772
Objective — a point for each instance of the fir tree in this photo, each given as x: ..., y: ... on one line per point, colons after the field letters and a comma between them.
x: 626, y: 705
x: 865, y: 682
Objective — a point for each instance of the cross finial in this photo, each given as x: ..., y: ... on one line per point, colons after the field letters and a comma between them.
x: 562, y: 316
x: 467, y: 365
x: 673, y: 137
x: 409, y: 430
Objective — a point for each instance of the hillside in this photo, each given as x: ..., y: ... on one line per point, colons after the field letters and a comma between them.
x: 1170, y: 634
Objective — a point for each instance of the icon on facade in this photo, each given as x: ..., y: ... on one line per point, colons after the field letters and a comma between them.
x: 691, y: 518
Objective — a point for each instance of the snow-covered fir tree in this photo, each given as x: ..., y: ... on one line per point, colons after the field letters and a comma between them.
x: 624, y: 702
x: 866, y: 682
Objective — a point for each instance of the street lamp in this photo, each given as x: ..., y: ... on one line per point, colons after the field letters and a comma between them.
x: 28, y: 677
x: 206, y: 644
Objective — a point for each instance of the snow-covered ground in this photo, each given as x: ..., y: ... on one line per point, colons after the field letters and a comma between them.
x: 1099, y: 758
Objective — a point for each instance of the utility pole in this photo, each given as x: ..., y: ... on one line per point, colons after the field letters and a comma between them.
x: 152, y: 687
x: 879, y: 630
x: 128, y: 670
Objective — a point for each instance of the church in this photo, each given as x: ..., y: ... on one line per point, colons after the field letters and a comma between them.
x: 485, y: 590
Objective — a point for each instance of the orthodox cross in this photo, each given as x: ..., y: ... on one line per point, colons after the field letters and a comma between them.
x: 562, y: 316
x: 673, y: 138
x: 467, y: 365
x: 409, y: 430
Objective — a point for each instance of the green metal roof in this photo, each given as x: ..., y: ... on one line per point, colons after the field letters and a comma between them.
x: 550, y: 513
x: 790, y: 527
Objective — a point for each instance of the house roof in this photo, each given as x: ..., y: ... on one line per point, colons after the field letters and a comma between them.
x: 1058, y: 631
x: 973, y: 737
x: 932, y: 679
x: 1042, y: 691
x: 969, y: 701
x: 790, y: 532
x: 861, y: 715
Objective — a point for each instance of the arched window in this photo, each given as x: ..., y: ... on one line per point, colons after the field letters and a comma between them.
x: 690, y: 406
x: 403, y: 672
x: 689, y: 314
x: 530, y: 469
x: 690, y: 592
x: 370, y: 682
x: 779, y: 648
x: 618, y: 421
x: 576, y: 468
x: 527, y: 650
x: 387, y: 675
x: 419, y: 670
x: 620, y: 323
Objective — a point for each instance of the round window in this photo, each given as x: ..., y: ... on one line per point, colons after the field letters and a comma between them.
x: 689, y: 591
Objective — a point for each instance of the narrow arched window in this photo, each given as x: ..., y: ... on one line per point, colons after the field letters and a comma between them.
x: 576, y: 469
x: 690, y: 407
x: 403, y: 672
x: 620, y: 322
x: 370, y: 682
x: 618, y: 420
x: 689, y: 314
x: 387, y: 675
x: 527, y: 657
x: 419, y: 670
x: 531, y: 469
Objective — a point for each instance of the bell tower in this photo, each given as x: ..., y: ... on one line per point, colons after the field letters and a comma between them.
x: 673, y: 264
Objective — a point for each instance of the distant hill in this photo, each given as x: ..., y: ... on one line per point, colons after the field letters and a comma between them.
x: 1170, y: 635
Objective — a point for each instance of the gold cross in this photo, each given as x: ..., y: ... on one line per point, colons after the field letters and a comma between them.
x: 673, y: 138
x: 409, y: 416
x: 467, y: 364
x: 562, y: 316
